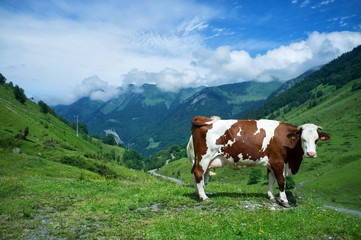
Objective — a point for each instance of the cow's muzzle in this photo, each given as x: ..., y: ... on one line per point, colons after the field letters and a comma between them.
x: 311, y: 154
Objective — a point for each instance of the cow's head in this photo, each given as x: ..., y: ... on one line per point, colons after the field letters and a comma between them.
x: 308, y: 134
x: 309, y: 137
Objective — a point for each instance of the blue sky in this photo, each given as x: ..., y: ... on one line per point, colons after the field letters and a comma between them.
x: 60, y: 51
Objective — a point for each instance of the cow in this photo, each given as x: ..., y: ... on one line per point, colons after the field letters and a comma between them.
x: 278, y: 146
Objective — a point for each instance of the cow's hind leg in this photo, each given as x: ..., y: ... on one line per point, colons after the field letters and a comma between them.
x: 198, y: 175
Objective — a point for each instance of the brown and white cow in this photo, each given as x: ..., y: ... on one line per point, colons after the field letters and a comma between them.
x: 276, y: 145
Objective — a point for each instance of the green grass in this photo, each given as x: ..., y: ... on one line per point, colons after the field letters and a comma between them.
x: 55, y: 203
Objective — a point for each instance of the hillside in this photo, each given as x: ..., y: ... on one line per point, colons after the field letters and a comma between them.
x: 227, y: 101
x: 49, y: 139
x: 334, y: 176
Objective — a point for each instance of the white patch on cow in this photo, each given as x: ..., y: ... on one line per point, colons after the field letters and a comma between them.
x: 287, y: 170
x: 218, y: 129
x: 269, y: 127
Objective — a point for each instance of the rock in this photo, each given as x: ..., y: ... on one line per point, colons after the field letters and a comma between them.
x: 16, y: 150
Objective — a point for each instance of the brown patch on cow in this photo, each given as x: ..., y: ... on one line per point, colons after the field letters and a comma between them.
x: 286, y: 147
x: 245, y: 142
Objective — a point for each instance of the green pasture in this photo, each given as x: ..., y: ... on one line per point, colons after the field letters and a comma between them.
x: 43, y: 199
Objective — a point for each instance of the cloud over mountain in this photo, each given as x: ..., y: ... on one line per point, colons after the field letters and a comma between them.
x: 92, y: 87
x: 226, y: 65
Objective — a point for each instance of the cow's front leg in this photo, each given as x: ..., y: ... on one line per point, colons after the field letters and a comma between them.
x: 271, y: 182
x: 281, y: 185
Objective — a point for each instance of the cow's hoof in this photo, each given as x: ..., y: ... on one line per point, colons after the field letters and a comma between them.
x: 206, y: 200
x: 285, y: 204
x: 273, y: 200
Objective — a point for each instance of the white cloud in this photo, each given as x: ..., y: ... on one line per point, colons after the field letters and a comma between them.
x: 305, y: 3
x: 283, y: 63
x: 167, y: 80
x: 92, y: 87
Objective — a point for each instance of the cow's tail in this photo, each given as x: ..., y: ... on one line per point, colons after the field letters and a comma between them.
x: 190, y: 150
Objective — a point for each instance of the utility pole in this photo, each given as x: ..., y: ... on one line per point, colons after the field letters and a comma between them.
x: 77, y: 124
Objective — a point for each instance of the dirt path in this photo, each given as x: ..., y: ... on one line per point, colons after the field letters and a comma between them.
x: 169, y: 178
x: 340, y: 209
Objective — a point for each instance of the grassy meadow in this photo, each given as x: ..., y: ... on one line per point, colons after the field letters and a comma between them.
x: 54, y: 185
x: 42, y: 199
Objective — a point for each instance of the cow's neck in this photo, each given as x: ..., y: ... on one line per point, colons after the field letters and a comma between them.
x: 294, y: 157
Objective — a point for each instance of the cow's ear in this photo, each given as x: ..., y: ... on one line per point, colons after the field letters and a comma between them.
x: 323, y: 136
x: 294, y: 136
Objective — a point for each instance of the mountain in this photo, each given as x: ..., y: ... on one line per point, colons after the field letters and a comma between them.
x: 288, y: 84
x: 132, y: 112
x: 226, y: 101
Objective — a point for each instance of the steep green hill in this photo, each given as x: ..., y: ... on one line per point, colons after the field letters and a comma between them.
x: 49, y: 139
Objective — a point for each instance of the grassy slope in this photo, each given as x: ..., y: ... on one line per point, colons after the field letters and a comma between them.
x: 335, y: 173
x: 41, y: 198
x: 50, y: 138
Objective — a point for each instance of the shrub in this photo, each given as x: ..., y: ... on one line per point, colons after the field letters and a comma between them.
x: 19, y: 94
x: 356, y: 86
x: 82, y: 163
x: 290, y: 184
x: 2, y: 79
x: 109, y: 139
x: 9, y: 142
x: 255, y: 176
